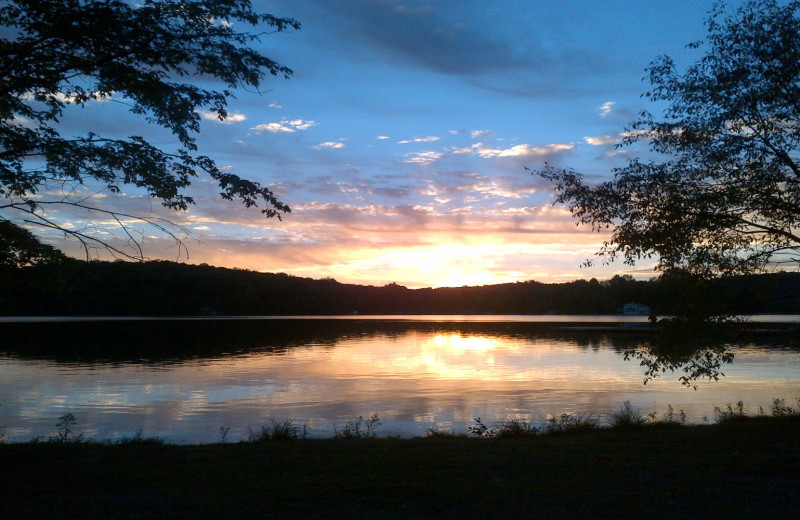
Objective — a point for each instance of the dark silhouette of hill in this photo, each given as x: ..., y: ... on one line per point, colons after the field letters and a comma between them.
x: 159, y: 288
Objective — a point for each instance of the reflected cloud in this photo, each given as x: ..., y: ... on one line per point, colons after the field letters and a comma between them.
x: 413, y: 376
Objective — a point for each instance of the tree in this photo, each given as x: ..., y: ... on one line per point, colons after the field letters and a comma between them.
x: 722, y: 195
x: 19, y: 247
x: 151, y: 55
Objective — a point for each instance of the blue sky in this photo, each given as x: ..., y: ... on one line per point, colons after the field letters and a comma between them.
x: 401, y: 141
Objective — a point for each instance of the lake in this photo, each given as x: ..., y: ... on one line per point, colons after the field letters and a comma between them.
x: 184, y: 379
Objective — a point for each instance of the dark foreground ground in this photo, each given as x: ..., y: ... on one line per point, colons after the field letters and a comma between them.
x: 740, y: 469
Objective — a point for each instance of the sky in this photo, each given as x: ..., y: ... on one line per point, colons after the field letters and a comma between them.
x: 401, y: 141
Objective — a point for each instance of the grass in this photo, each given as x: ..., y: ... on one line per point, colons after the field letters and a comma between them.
x: 280, y: 431
x: 628, y: 417
x: 360, y: 428
x: 744, y: 468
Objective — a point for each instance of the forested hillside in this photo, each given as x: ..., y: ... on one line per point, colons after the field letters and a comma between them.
x: 170, y: 289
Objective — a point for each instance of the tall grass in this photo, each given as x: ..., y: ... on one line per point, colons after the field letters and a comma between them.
x: 280, y: 431
x: 628, y: 417
x: 365, y: 428
x: 730, y: 413
x: 568, y: 423
x: 360, y: 428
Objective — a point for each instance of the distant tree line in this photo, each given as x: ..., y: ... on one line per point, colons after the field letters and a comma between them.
x: 159, y: 288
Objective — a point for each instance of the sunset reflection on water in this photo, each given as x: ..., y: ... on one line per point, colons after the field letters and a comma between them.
x: 414, y: 379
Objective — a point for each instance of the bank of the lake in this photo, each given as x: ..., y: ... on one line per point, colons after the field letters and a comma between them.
x: 740, y: 469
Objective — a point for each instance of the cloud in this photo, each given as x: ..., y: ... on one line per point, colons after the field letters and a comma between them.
x: 274, y: 104
x: 329, y: 144
x: 461, y: 151
x: 383, y: 137
x: 302, y: 125
x: 522, y: 150
x: 602, y: 140
x: 398, y: 193
x: 481, y: 134
x: 231, y: 118
x: 429, y: 139
x: 606, y: 108
x: 424, y: 158
x: 285, y: 126
x: 273, y: 127
x: 478, y: 45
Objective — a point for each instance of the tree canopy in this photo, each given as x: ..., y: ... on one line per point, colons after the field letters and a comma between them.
x: 153, y: 56
x: 720, y: 191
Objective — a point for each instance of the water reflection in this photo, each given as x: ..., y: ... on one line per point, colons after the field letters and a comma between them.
x: 183, y: 381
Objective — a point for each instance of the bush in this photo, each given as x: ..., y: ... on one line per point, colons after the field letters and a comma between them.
x: 567, y: 423
x: 628, y: 417
x: 516, y: 427
x: 359, y: 429
x: 730, y: 413
x: 280, y: 431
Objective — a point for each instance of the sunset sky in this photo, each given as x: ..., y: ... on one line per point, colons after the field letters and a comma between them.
x: 401, y: 141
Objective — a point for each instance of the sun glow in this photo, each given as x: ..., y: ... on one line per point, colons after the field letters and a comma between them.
x: 459, y: 343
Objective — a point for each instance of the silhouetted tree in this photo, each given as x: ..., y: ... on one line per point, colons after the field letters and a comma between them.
x: 19, y: 247
x: 725, y: 198
x: 55, y: 54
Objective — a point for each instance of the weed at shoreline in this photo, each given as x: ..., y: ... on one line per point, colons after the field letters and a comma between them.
x: 64, y: 425
x: 433, y: 433
x: 568, y: 423
x: 360, y: 428
x: 780, y: 408
x: 629, y: 417
x: 139, y: 438
x: 730, y: 413
x: 280, y: 431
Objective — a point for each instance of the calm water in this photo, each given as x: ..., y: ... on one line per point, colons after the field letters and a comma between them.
x: 183, y: 380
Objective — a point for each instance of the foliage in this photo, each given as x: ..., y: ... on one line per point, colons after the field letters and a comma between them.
x: 64, y: 425
x: 480, y: 429
x: 280, y: 431
x: 513, y: 427
x: 169, y: 288
x: 223, y: 433
x: 19, y: 247
x: 434, y: 433
x: 700, y: 355
x: 360, y: 428
x: 628, y: 417
x: 725, y: 198
x: 516, y: 427
x: 730, y: 413
x: 781, y: 409
x: 139, y: 438
x: 158, y: 57
x: 669, y: 417
x: 568, y: 423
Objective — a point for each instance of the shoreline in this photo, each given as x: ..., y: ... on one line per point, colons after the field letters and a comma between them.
x: 740, y: 467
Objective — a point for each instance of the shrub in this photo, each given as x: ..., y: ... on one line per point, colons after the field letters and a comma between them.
x: 516, y: 427
x: 669, y: 417
x: 359, y: 429
x: 567, y: 423
x: 443, y: 434
x: 138, y: 438
x: 781, y: 409
x: 279, y: 431
x: 730, y: 413
x: 628, y: 417
x: 64, y: 425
